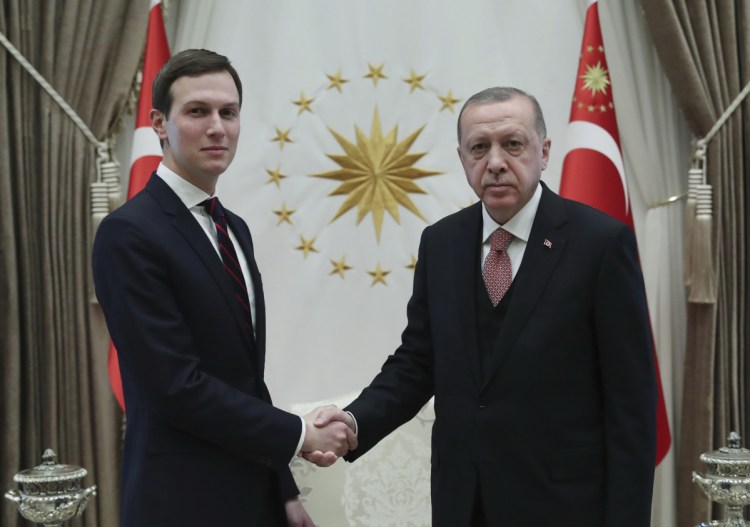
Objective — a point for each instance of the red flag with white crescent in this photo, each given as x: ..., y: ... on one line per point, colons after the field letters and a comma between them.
x: 146, y: 154
x: 593, y: 170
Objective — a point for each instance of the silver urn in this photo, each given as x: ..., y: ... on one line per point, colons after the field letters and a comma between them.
x: 727, y: 481
x: 50, y: 493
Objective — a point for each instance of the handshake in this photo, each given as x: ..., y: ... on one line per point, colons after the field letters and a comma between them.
x: 329, y: 434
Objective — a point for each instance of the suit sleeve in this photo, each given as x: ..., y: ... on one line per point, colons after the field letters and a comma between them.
x: 161, y: 359
x: 626, y: 350
x: 405, y: 382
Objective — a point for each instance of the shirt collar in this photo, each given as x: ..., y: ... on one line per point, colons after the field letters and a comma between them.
x: 519, y: 225
x: 188, y: 193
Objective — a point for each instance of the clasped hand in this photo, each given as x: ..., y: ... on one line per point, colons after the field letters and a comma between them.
x: 329, y: 434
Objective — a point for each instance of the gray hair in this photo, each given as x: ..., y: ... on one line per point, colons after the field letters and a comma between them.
x: 502, y: 94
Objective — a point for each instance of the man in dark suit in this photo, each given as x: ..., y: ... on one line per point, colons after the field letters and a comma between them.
x: 539, y: 354
x: 183, y: 300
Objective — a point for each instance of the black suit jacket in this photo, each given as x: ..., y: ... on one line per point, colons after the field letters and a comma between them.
x: 561, y: 430
x: 204, y: 445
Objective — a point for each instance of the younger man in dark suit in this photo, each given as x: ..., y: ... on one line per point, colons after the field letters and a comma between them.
x: 183, y: 299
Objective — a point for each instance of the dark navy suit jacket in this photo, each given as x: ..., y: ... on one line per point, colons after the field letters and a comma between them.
x: 560, y: 430
x: 204, y: 445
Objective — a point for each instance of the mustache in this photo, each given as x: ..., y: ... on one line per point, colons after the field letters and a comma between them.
x: 496, y: 179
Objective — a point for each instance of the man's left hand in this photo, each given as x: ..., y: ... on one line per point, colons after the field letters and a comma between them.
x: 296, y: 515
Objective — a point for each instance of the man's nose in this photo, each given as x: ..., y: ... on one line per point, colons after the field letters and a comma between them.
x: 496, y: 162
x: 215, y: 125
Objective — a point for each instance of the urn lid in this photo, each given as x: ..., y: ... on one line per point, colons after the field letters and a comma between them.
x: 49, y: 471
x: 731, y: 460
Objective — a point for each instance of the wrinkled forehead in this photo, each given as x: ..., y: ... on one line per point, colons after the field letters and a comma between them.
x: 515, y: 114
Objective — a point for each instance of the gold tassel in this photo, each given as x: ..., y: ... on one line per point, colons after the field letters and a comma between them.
x: 99, y: 203
x: 695, y: 178
x: 703, y: 283
x: 108, y: 172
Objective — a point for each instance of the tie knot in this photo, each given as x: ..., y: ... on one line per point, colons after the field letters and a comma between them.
x: 500, y: 239
x: 213, y: 208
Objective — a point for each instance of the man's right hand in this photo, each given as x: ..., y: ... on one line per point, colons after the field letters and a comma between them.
x: 329, y: 434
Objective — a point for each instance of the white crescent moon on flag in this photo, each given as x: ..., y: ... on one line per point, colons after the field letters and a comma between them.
x: 583, y: 134
x: 145, y: 143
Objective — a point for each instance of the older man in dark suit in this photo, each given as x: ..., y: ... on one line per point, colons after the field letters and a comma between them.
x: 183, y: 299
x: 528, y: 323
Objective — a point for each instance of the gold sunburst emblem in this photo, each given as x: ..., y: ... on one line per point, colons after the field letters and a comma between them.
x: 596, y: 79
x: 362, y: 174
x: 377, y: 173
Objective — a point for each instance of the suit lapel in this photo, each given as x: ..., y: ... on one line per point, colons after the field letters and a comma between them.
x: 463, y: 252
x: 188, y: 227
x: 543, y: 250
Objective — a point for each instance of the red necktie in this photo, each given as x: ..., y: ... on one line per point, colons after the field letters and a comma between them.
x: 229, y: 257
x: 497, y: 271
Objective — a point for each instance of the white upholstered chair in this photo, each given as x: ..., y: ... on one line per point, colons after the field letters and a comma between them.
x: 388, y: 487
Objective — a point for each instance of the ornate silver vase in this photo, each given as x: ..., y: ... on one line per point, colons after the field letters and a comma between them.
x: 50, y: 493
x: 727, y: 481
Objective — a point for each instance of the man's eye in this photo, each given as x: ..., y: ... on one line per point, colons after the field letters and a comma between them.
x: 196, y: 111
x: 514, y: 144
x: 479, y: 147
x: 229, y: 113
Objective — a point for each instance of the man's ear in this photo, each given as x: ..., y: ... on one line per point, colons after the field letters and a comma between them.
x: 546, y: 144
x: 158, y: 123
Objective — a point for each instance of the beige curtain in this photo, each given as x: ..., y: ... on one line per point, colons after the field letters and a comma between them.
x: 704, y: 48
x: 54, y: 390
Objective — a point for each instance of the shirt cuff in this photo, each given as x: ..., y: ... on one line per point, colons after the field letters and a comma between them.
x: 301, y: 440
x: 356, y: 426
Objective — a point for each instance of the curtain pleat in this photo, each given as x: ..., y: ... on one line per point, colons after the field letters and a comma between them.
x: 53, y: 382
x: 704, y: 49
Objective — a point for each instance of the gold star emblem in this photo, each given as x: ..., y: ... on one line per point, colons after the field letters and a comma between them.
x: 596, y: 79
x: 378, y: 275
x: 303, y: 103
x: 611, y: 105
x: 602, y: 108
x: 285, y: 215
x: 377, y: 173
x: 282, y: 137
x: 306, y: 246
x: 415, y: 81
x: 413, y: 264
x: 448, y: 101
x: 275, y: 176
x: 589, y: 48
x: 340, y: 267
x: 337, y: 81
x: 591, y: 108
x: 376, y: 73
x: 580, y: 105
x: 601, y: 48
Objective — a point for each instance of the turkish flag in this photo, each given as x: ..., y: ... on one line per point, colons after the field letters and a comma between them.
x: 593, y: 171
x: 146, y: 154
